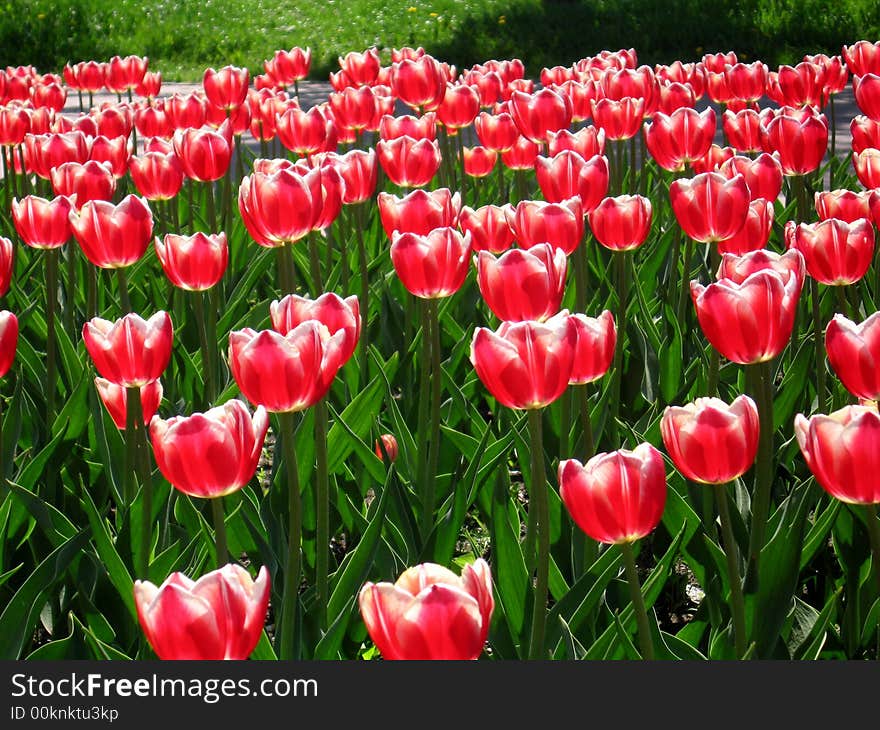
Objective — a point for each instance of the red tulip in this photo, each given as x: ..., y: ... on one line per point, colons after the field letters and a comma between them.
x: 526, y: 365
x: 738, y: 268
x: 15, y: 123
x: 842, y: 450
x: 749, y: 321
x: 522, y: 156
x: 149, y: 85
x: 113, y: 236
x: 673, y: 96
x: 746, y: 81
x: 359, y: 173
x: 113, y: 152
x: 523, y: 284
x: 581, y: 96
x: 836, y: 252
x: 743, y: 130
x: 113, y: 121
x: 676, y: 140
x: 219, y: 616
x: 157, y: 176
x: 710, y: 441
x: 478, y: 162
x: 431, y: 266
x: 204, y: 153
x: 536, y: 115
x: 361, y: 69
x: 8, y: 340
x: 845, y: 205
x: 488, y: 227
x: 867, y: 167
x: 430, y: 613
x: 798, y: 86
x: 335, y: 313
x: 587, y: 142
x: 714, y: 159
x: 280, y: 207
x: 7, y: 263
x: 390, y: 445
x: 42, y: 223
x: 419, y: 83
x: 423, y: 127
x: 418, y: 212
x: 87, y: 76
x: 497, y: 132
x: 353, y: 108
x: 755, y: 233
x: 594, y: 351
x: 615, y: 497
x: 45, y: 151
x: 693, y: 74
x: 865, y: 133
x: 186, y: 111
x: 709, y: 207
x: 82, y: 183
x: 800, y: 139
x: 123, y: 74
x: 226, y: 88
x: 409, y: 162
x: 130, y: 351
x: 862, y: 57
x: 854, y: 353
x: 194, y: 263
x: 304, y: 132
x: 763, y: 175
x: 115, y: 400
x: 622, y: 223
x: 867, y: 93
x: 291, y: 66
x: 50, y: 96
x: 568, y: 175
x: 620, y: 119
x: 559, y: 224
x: 153, y: 121
x: 210, y: 454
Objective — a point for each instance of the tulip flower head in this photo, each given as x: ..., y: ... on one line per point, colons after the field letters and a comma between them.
x: 115, y: 400
x: 131, y: 351
x: 432, y: 266
x: 8, y: 340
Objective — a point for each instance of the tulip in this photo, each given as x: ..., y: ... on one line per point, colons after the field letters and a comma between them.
x: 430, y: 613
x: 361, y: 69
x: 709, y: 207
x: 478, y: 161
x: 353, y: 108
x: 87, y: 76
x: 7, y: 263
x: 286, y: 373
x: 487, y: 227
x: 842, y: 450
x: 536, y: 115
x: 131, y: 351
x: 389, y: 444
x: 714, y: 159
x: 204, y: 153
x: 797, y: 86
x: 113, y: 152
x: 280, y: 207
x: 751, y: 320
x: 15, y: 123
x: 497, y: 132
x: 763, y: 175
x: 710, y: 441
x: 419, y: 83
x: 755, y: 233
x: 46, y: 151
x: 844, y: 205
x: 157, y: 176
x: 559, y: 224
x: 226, y: 88
x: 194, y: 263
x: 113, y: 236
x: 594, y: 350
x: 153, y: 121
x: 743, y: 130
x: 676, y: 140
x: 862, y: 57
x: 522, y: 284
x: 867, y: 93
x: 587, y: 142
x: 673, y: 96
x: 621, y: 223
x: 423, y: 127
x: 522, y: 156
x: 359, y: 173
x: 332, y: 311
x: 42, y: 223
x: 418, y: 212
x: 459, y: 107
x: 8, y: 340
x: 115, y: 399
x: 291, y: 66
x: 305, y: 132
x: 836, y: 252
x: 867, y: 167
x: 800, y: 140
x: 746, y: 81
x: 865, y: 133
x: 854, y: 351
x: 568, y: 175
x: 739, y: 268
x: 219, y: 616
x: 409, y: 162
x: 83, y: 183
x: 619, y: 119
x: 186, y: 111
x: 526, y: 365
x: 431, y: 266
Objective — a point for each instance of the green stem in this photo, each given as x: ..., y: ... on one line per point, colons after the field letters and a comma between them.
x: 91, y: 292
x: 135, y: 442
x: 464, y: 177
x: 363, y: 262
x: 122, y: 285
x: 818, y: 346
x: 434, y: 443
x: 287, y: 422
x: 315, y: 261
x: 737, y: 604
x: 685, y: 290
x: 322, y: 512
x: 211, y: 207
x: 871, y: 520
x: 539, y: 497
x: 51, y: 308
x: 621, y: 262
x: 70, y: 299
x: 646, y: 644
x: 207, y: 350
x: 189, y: 206
x: 714, y: 356
x: 219, y: 531
x: 762, y: 374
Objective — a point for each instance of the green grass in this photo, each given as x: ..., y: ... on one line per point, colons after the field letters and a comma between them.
x: 184, y: 37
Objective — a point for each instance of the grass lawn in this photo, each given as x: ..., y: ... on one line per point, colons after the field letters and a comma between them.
x: 183, y: 37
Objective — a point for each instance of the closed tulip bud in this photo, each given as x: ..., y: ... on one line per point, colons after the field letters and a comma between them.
x: 581, y: 96
x: 526, y: 365
x: 186, y: 111
x: 709, y: 207
x: 226, y: 88
x: 7, y: 263
x: 353, y: 108
x: 674, y: 95
x: 82, y: 183
x: 87, y: 76
x: 498, y: 132
x: 746, y: 81
x: 755, y: 233
x: 409, y: 162
x: 616, y: 497
x: 390, y: 445
x: 113, y: 121
x: 304, y: 132
x: 8, y: 340
x: 332, y: 311
x: 194, y: 263
x: 479, y: 161
x: 867, y: 167
x: 845, y: 205
x: 536, y: 115
x: 743, y: 130
x: 622, y: 223
x: 800, y: 140
x: 113, y: 152
x: 42, y: 223
x: 676, y: 140
x: 619, y: 119
x: 131, y: 351
x: 523, y: 284
x: 568, y: 175
x: 115, y: 400
x: 204, y: 153
x: 487, y: 227
x: 710, y: 441
x: 419, y: 83
x: 836, y: 252
x: 842, y: 450
x: 430, y: 613
x: 587, y: 142
x: 152, y: 121
x: 749, y: 321
x: 123, y: 74
x: 854, y: 353
x: 113, y: 236
x: 219, y: 616
x: 292, y: 66
x: 15, y: 123
x: 286, y: 373
x: 865, y: 133
x: 867, y: 93
x: 418, y: 212
x: 149, y: 85
x: 51, y: 96
x: 210, y: 454
x: 559, y: 224
x: 431, y: 266
x: 763, y: 175
x: 282, y: 206
x: 594, y: 350
x: 157, y: 176
x: 361, y: 69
